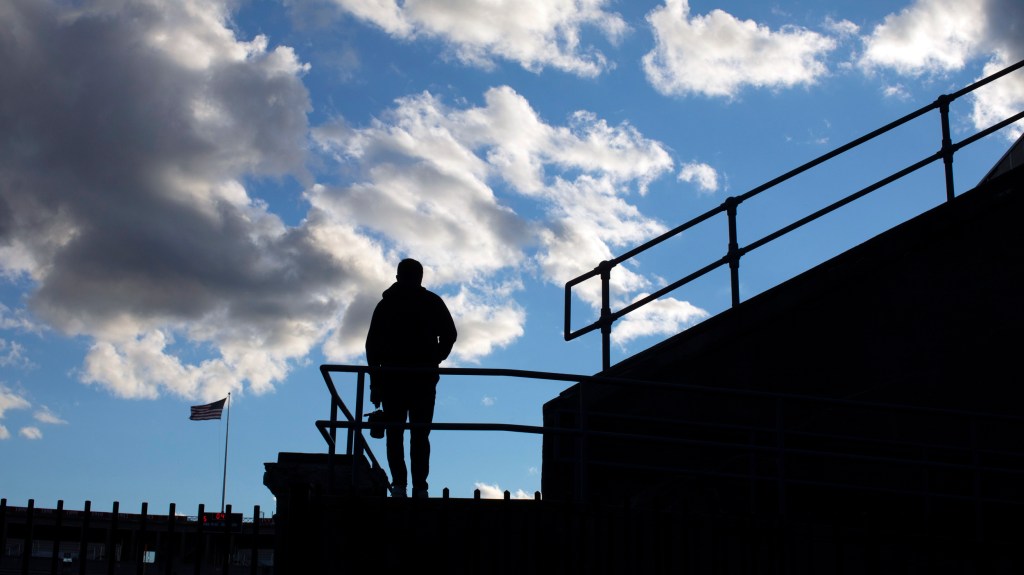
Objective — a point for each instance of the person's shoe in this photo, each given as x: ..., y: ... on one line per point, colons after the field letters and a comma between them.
x: 399, y: 492
x: 420, y: 493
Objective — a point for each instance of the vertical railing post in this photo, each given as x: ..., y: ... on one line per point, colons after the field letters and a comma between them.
x: 227, y: 539
x: 254, y: 554
x: 112, y: 537
x: 734, y: 250
x: 606, y: 314
x: 27, y: 542
x: 169, y: 544
x: 355, y: 435
x: 332, y: 448
x: 58, y: 524
x: 141, y: 553
x: 200, y: 541
x: 947, y: 145
x: 83, y: 544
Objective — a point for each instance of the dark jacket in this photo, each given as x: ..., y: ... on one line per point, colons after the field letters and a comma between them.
x: 411, y: 327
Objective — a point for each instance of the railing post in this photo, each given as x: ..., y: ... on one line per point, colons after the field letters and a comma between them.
x: 111, y: 537
x: 83, y: 544
x: 228, y: 539
x: 27, y: 541
x: 200, y: 548
x: 734, y: 249
x: 169, y: 547
x: 947, y: 145
x: 58, y: 524
x: 606, y: 314
x: 140, y: 554
x: 254, y: 553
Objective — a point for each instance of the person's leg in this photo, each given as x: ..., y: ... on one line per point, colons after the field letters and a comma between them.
x: 421, y: 411
x: 396, y: 410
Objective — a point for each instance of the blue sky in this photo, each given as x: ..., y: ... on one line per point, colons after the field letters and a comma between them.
x: 207, y: 196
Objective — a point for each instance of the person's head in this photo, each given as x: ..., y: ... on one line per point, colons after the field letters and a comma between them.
x: 410, y: 272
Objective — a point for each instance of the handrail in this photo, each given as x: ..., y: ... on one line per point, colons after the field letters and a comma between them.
x: 731, y: 204
x: 355, y: 424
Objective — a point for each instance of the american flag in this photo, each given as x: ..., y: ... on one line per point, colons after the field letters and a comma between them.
x: 208, y: 411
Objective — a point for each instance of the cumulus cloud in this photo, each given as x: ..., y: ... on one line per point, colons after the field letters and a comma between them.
x: 701, y: 174
x: 438, y: 181
x: 718, y: 54
x: 929, y: 35
x: 124, y: 200
x: 536, y: 34
x: 121, y: 194
x: 4, y: 433
x: 488, y: 401
x: 939, y: 36
x: 488, y: 491
x: 10, y: 399
x: 45, y: 415
x: 30, y: 432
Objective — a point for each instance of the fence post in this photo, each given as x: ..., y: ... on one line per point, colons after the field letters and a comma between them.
x: 200, y: 541
x: 731, y: 203
x: 255, y: 553
x: 947, y: 145
x: 227, y: 538
x: 83, y: 544
x: 141, y: 553
x: 606, y: 314
x: 55, y: 554
x: 26, y: 547
x: 112, y: 538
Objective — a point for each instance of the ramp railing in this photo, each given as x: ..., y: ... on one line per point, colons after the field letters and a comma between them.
x: 731, y: 206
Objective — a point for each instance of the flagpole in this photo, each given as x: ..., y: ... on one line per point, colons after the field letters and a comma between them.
x: 227, y: 429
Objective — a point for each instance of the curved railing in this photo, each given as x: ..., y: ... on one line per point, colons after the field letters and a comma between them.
x: 730, y: 207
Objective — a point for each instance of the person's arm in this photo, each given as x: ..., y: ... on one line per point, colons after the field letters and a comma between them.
x: 447, y: 334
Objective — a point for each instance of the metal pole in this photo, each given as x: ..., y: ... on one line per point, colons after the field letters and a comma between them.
x: 734, y: 250
x: 606, y: 314
x: 947, y: 145
x: 224, y: 483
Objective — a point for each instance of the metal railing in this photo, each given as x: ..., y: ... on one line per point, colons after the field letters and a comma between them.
x: 783, y: 436
x: 730, y: 207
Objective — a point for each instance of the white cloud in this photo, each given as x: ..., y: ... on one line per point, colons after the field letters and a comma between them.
x: 488, y: 491
x: 10, y: 399
x: 536, y: 34
x: 660, y: 317
x: 938, y: 36
x: 475, y: 161
x: 488, y: 401
x: 700, y: 173
x: 718, y: 54
x: 132, y: 221
x: 12, y: 354
x: 927, y: 36
x: 4, y: 433
x: 45, y: 415
x: 123, y: 197
x: 30, y: 432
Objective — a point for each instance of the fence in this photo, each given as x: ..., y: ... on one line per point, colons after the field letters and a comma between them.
x: 36, y: 540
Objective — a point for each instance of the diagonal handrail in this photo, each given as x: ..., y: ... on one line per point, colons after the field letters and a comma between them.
x: 730, y: 207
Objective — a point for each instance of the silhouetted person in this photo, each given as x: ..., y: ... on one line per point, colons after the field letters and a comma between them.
x: 411, y: 328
